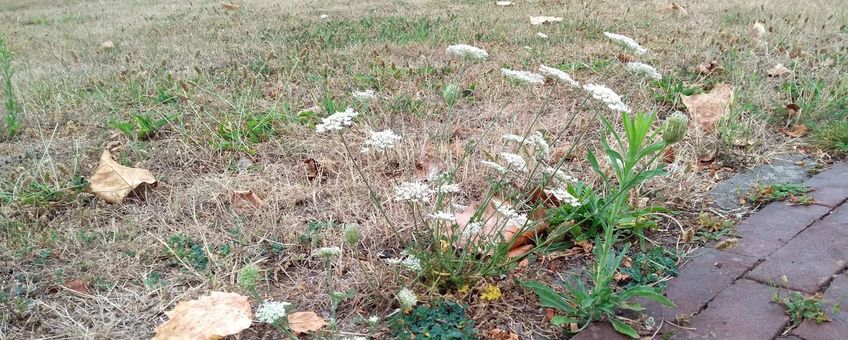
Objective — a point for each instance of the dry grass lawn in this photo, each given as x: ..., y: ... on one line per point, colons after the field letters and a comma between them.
x: 231, y: 84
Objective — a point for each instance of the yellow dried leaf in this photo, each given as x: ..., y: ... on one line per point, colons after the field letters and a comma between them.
x: 779, y: 71
x: 304, y: 322
x: 209, y: 317
x: 112, y: 182
x: 246, y: 199
x: 707, y: 108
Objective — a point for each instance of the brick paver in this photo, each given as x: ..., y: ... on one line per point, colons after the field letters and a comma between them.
x: 773, y: 226
x: 743, y: 311
x: 598, y: 331
x: 809, y: 260
x: 831, y: 186
x: 837, y: 328
x: 729, y: 293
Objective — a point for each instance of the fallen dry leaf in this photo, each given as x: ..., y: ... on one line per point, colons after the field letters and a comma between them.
x: 674, y: 8
x: 209, y: 317
x: 798, y: 130
x: 626, y: 262
x: 246, y: 199
x: 429, y: 168
x: 779, y: 71
x: 792, y: 109
x: 585, y: 245
x: 499, y: 334
x: 550, y: 313
x: 758, y: 33
x: 668, y: 155
x: 708, y: 68
x: 107, y: 45
x: 112, y: 182
x: 230, y: 6
x: 618, y: 277
x: 726, y: 244
x: 78, y: 286
x: 708, y: 108
x: 304, y: 322
x: 544, y: 20
x: 625, y: 58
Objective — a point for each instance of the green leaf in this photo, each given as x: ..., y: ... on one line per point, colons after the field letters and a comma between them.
x: 646, y: 292
x: 547, y: 296
x: 560, y: 320
x: 624, y: 328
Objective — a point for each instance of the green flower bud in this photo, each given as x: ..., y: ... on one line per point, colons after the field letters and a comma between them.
x: 675, y: 128
x: 450, y: 93
x: 351, y: 234
x: 248, y: 277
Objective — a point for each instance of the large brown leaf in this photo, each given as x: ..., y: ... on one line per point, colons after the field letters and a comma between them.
x: 209, y: 317
x: 304, y: 322
x: 112, y: 182
x: 708, y: 108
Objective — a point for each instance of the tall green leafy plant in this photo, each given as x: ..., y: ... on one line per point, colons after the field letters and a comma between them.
x: 632, y: 156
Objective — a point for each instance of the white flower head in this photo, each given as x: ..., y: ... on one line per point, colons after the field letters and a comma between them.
x: 410, y: 262
x: 382, y: 140
x: 448, y: 189
x: 523, y: 76
x: 414, y: 192
x: 626, y: 42
x: 443, y: 216
x: 271, y: 311
x: 541, y: 35
x: 499, y: 168
x: 472, y: 229
x: 607, y: 96
x: 558, y: 176
x: 337, y: 121
x: 563, y: 196
x: 643, y: 69
x: 327, y: 252
x: 536, y: 140
x: 514, y: 161
x: 323, y: 16
x: 407, y: 298
x: 374, y: 319
x: 364, y: 95
x: 559, y: 75
x: 468, y: 51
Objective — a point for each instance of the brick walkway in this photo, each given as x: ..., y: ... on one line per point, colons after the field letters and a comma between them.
x: 729, y: 293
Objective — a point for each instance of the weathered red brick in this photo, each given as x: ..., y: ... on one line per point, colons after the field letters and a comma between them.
x: 773, y: 226
x: 837, y: 328
x: 810, y: 259
x: 599, y: 331
x: 831, y: 186
x: 743, y: 311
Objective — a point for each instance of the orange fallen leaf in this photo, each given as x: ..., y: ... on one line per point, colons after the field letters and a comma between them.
x: 792, y: 109
x: 230, y: 6
x: 209, y: 317
x: 625, y: 58
x: 779, y: 71
x: 708, y: 108
x: 521, y: 250
x: 305, y: 322
x: 550, y: 313
x: 112, y: 182
x: 78, y: 286
x: 246, y: 199
x: 618, y: 277
x: 798, y: 130
x: 668, y: 155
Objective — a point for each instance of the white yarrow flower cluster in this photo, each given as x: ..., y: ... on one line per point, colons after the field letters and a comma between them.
x: 523, y: 76
x: 364, y: 95
x: 271, y: 311
x: 626, y: 42
x: 607, y: 96
x: 558, y: 74
x: 337, y: 121
x: 415, y: 192
x: 472, y: 229
x: 410, y: 262
x: 468, y: 51
x: 513, y: 217
x: 643, y: 69
x: 382, y: 140
x: 563, y: 196
x: 514, y: 161
x: 536, y: 139
x: 541, y: 35
x: 448, y: 189
x: 443, y: 216
x: 499, y: 168
x: 407, y: 298
x: 327, y: 252
x: 558, y: 176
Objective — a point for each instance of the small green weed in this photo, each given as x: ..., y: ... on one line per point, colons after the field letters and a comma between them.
x: 669, y: 89
x: 651, y: 267
x: 791, y: 192
x: 141, y: 127
x: 185, y: 249
x: 709, y: 228
x: 440, y: 320
x: 800, y: 308
x: 832, y: 137
x: 242, y: 135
